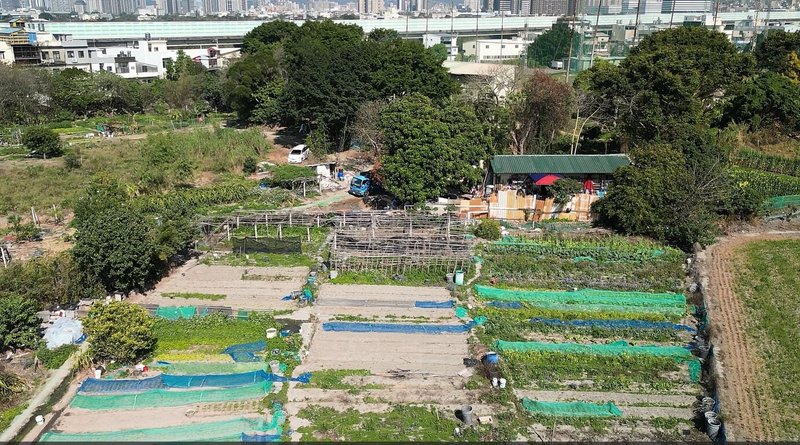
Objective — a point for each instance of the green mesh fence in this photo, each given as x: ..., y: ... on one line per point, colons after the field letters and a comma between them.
x: 592, y: 300
x: 585, y: 296
x: 571, y: 409
x: 781, y: 202
x: 176, y: 312
x: 223, y: 431
x: 616, y: 348
x: 169, y: 397
x: 194, y: 368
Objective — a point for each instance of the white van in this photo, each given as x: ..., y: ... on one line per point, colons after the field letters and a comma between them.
x: 298, y: 154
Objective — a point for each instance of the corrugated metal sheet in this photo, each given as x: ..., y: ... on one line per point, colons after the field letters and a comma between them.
x: 559, y: 164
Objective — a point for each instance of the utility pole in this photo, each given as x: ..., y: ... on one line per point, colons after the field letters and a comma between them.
x: 571, y: 40
x: 716, y: 13
x: 477, y: 16
x: 594, y: 34
x: 502, y: 14
x: 636, y: 25
x: 672, y: 13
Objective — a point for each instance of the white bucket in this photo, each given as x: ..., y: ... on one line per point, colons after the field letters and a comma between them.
x: 494, y: 382
x: 711, y: 415
x: 39, y: 420
x: 275, y: 366
x: 713, y: 427
x: 98, y: 373
x: 459, y: 277
x: 334, y: 274
x: 272, y: 333
x: 502, y: 383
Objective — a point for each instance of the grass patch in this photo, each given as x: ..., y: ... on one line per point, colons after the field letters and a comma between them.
x: 7, y: 415
x: 262, y: 260
x: 769, y: 285
x: 194, y: 295
x: 332, y: 379
x: 306, y: 257
x: 54, y: 358
x: 403, y: 423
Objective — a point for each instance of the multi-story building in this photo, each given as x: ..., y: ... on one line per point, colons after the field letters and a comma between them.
x: 6, y: 54
x: 495, y: 50
x: 670, y: 6
x: 448, y: 40
x: 370, y: 6
x: 553, y: 7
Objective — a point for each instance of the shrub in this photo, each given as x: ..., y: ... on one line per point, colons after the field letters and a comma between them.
x: 54, y: 358
x: 250, y: 165
x: 119, y: 331
x: 488, y: 229
x: 40, y: 140
x: 72, y: 161
x: 563, y: 189
x: 19, y: 324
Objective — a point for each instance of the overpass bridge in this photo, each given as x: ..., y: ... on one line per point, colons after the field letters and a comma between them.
x: 230, y: 33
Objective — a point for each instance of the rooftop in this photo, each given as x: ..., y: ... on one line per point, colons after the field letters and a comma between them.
x: 564, y: 164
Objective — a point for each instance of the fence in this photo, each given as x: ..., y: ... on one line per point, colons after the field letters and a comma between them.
x: 250, y: 244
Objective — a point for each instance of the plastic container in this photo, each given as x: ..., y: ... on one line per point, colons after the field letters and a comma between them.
x: 459, y: 277
x: 272, y: 333
x: 334, y: 274
x: 285, y: 333
x: 713, y: 428
x: 39, y: 420
x: 491, y: 357
x: 502, y: 383
x: 466, y: 414
x: 495, y: 382
x: 98, y: 373
x: 275, y: 366
x: 449, y: 278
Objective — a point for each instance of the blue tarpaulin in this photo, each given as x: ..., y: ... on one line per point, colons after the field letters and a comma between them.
x: 167, y: 381
x: 346, y: 326
x: 614, y: 324
x: 435, y: 304
x: 245, y: 352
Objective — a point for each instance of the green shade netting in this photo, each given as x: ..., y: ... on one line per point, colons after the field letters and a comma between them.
x: 586, y: 296
x: 616, y: 348
x: 461, y: 312
x: 223, y: 431
x: 571, y: 409
x: 169, y: 397
x: 194, y: 368
x: 176, y: 312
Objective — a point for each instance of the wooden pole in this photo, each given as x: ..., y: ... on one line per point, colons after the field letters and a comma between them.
x: 5, y: 259
x: 304, y: 189
x: 317, y: 220
x: 228, y: 230
x: 308, y: 234
x: 237, y: 222
x: 280, y: 231
x: 290, y: 218
x: 255, y: 227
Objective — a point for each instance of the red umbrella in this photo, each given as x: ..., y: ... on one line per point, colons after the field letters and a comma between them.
x: 589, y: 185
x: 548, y: 179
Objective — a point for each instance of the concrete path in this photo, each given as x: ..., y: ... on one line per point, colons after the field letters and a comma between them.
x: 55, y: 379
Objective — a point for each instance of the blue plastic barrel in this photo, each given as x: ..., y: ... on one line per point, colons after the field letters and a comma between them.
x: 492, y: 358
x: 285, y: 333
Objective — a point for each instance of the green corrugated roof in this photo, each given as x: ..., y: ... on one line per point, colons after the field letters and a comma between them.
x: 558, y: 164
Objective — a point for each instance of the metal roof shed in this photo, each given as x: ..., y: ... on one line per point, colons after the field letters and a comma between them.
x: 504, y: 167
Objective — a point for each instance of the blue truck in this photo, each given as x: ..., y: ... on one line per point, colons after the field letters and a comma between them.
x: 359, y: 186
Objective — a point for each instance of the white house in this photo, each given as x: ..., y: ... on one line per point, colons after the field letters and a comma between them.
x: 495, y: 50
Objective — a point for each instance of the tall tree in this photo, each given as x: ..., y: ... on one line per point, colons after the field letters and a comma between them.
x: 430, y: 150
x: 553, y: 44
x: 774, y: 49
x: 255, y: 85
x: 540, y: 110
x: 267, y: 34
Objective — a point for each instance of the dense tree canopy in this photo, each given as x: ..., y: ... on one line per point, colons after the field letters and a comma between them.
x: 320, y: 74
x: 777, y: 51
x: 541, y: 108
x: 266, y: 34
x: 668, y: 81
x: 552, y: 44
x: 767, y: 101
x: 42, y: 141
x: 430, y: 150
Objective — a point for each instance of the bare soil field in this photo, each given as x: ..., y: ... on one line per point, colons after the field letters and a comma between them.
x: 263, y: 290
x: 744, y: 398
x: 378, y: 302
x: 83, y: 421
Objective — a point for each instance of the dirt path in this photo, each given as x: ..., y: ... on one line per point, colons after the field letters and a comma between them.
x: 744, y: 398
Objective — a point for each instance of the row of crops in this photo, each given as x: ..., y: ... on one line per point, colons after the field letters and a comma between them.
x: 208, y: 196
x: 757, y: 160
x: 765, y: 183
x: 567, y: 344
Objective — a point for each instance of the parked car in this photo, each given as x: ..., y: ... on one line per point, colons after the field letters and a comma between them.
x: 298, y: 154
